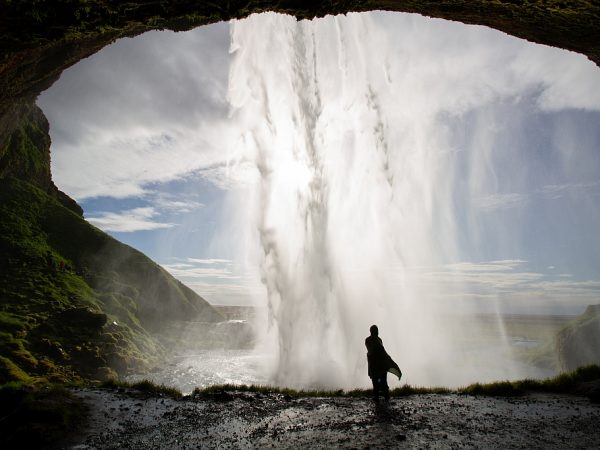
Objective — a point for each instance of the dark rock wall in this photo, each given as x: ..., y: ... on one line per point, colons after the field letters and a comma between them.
x: 25, y: 151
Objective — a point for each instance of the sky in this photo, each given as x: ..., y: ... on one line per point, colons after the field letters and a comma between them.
x: 145, y: 137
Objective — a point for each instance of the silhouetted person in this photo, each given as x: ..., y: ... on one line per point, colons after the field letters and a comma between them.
x: 380, y: 363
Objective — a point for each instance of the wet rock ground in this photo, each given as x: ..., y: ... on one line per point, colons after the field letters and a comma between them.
x: 126, y: 419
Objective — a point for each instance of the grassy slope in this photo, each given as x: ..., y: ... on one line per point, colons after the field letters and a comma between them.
x: 122, y: 296
x: 37, y: 337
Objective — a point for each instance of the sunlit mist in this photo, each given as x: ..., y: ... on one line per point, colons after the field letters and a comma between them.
x: 422, y: 175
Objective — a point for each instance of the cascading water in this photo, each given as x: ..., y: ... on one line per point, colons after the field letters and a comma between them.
x: 356, y: 190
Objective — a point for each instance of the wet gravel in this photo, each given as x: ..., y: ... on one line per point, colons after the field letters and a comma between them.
x: 126, y: 419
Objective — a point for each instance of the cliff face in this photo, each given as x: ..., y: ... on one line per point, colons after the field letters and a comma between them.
x: 74, y: 302
x: 26, y: 151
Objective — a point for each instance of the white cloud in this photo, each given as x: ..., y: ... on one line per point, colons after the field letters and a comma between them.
x: 145, y: 110
x: 494, y: 202
x: 175, y: 203
x: 210, y: 261
x: 200, y: 272
x: 507, y: 285
x: 137, y: 219
x: 105, y: 163
x: 230, y: 294
x: 222, y: 283
x: 491, y: 266
x: 556, y: 191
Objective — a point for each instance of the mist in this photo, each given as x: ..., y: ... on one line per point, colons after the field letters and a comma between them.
x: 422, y: 175
x: 381, y: 155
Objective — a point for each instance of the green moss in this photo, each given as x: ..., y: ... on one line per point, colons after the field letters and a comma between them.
x: 12, y: 322
x: 9, y: 371
x: 25, y: 152
x: 101, y: 275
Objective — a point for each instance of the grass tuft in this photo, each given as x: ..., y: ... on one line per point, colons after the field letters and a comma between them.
x: 145, y: 386
x: 295, y: 393
x: 497, y: 389
x: 566, y: 383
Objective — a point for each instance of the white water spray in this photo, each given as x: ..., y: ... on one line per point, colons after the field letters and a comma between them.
x: 355, y: 194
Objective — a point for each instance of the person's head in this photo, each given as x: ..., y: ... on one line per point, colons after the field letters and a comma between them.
x: 374, y: 330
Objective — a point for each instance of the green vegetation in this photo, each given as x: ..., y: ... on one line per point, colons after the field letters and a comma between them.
x: 403, y: 391
x: 37, y: 416
x: 75, y: 303
x: 25, y: 154
x: 258, y: 389
x: 566, y: 383
x: 90, y: 319
x: 144, y: 386
x: 47, y: 314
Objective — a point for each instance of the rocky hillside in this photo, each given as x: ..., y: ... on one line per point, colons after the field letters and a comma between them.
x: 74, y: 302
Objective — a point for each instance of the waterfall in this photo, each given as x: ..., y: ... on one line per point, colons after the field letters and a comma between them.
x: 356, y: 194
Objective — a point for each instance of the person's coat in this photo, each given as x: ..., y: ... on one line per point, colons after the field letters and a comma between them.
x: 378, y: 360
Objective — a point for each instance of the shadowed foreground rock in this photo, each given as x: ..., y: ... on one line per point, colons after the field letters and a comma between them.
x: 252, y: 420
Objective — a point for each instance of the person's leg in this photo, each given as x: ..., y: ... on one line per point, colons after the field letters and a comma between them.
x: 375, y: 381
x: 384, y: 387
